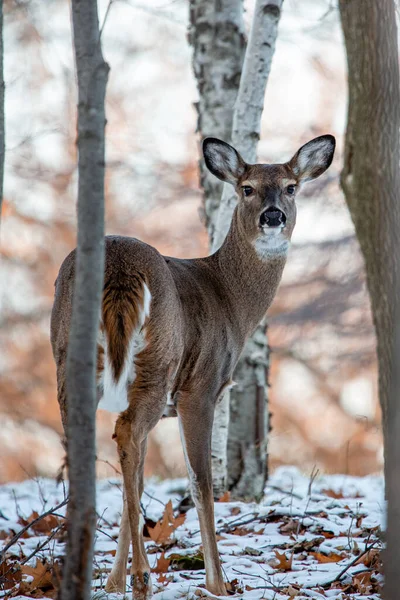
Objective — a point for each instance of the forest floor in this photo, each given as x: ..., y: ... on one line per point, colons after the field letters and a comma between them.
x: 309, y: 537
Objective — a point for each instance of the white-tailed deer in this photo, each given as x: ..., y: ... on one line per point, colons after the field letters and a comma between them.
x: 174, y: 329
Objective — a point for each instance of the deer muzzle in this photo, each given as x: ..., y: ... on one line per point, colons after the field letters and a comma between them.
x: 272, y: 217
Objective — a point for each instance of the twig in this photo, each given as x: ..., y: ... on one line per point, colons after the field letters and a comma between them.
x: 43, y: 544
x: 105, y: 533
x: 154, y: 498
x: 353, y: 562
x: 105, y: 18
x: 22, y: 531
x: 289, y: 493
x: 238, y: 522
x: 314, y: 474
x: 107, y: 462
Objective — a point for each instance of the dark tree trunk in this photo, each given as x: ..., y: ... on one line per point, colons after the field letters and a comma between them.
x: 2, y: 126
x: 92, y: 74
x: 371, y: 183
x: 370, y: 177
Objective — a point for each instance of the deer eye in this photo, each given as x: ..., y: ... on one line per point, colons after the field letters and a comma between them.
x: 291, y: 189
x: 247, y: 190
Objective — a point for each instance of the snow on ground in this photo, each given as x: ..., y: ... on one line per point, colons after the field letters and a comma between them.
x: 295, y: 543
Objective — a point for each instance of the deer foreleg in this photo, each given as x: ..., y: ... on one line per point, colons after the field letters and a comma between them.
x: 196, y: 430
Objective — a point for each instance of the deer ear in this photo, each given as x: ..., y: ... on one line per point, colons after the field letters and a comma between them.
x: 223, y: 160
x: 313, y: 158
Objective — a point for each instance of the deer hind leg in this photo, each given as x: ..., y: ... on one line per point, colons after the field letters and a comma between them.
x: 117, y: 579
x: 131, y: 430
x: 196, y: 429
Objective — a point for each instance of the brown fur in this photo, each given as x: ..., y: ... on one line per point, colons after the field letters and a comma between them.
x: 201, y: 313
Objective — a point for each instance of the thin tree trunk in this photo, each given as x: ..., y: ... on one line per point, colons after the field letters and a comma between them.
x: 2, y: 125
x: 371, y: 183
x: 92, y: 74
x: 248, y: 423
x: 217, y: 36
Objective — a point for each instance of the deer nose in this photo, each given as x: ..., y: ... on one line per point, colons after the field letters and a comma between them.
x: 272, y: 217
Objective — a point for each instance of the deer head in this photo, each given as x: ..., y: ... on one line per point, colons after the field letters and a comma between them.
x: 266, y: 205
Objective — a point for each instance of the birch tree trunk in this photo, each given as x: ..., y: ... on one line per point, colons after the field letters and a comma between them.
x: 248, y: 424
x: 219, y: 44
x: 371, y: 183
x: 217, y: 36
x: 2, y: 125
x: 92, y: 74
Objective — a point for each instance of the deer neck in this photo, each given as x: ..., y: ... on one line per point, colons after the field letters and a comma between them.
x: 251, y: 282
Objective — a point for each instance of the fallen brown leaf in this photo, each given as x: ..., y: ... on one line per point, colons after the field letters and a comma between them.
x: 10, y: 574
x: 284, y: 563
x: 162, y: 564
x: 163, y: 529
x: 41, y: 573
x: 225, y: 497
x: 323, y: 558
x: 164, y: 579
x: 333, y: 494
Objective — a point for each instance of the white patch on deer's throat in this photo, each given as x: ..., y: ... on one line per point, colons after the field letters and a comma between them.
x: 271, y: 243
x: 115, y: 393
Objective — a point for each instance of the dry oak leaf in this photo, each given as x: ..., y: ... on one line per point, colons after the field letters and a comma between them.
x: 45, y: 525
x: 292, y: 526
x: 372, y: 559
x: 10, y: 574
x: 162, y: 564
x: 284, y: 563
x: 226, y: 497
x: 323, y: 558
x: 164, y: 579
x: 292, y: 591
x: 236, y: 510
x: 332, y: 494
x: 233, y: 587
x: 163, y: 529
x: 45, y: 580
x: 240, y: 531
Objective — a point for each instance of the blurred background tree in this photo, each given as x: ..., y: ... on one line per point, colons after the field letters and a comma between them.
x: 323, y: 394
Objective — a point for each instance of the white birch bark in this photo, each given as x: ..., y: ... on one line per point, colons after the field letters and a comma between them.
x: 218, y: 40
x: 219, y: 448
x: 250, y: 100
x: 248, y: 427
x: 217, y: 36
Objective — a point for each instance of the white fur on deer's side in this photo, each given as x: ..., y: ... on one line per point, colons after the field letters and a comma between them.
x: 115, y: 397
